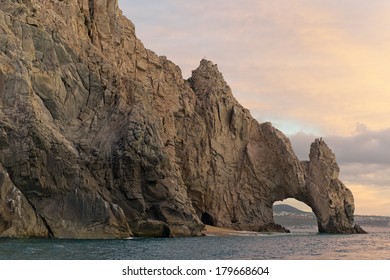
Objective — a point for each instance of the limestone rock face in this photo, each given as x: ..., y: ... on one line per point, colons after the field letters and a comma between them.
x: 234, y: 168
x: 102, y: 138
x: 18, y: 218
x: 330, y: 200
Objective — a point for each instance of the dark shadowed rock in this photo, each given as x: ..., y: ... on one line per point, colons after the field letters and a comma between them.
x: 18, y: 218
x: 102, y: 138
x: 359, y: 229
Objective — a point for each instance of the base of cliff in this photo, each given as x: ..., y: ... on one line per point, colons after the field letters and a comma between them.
x: 359, y: 230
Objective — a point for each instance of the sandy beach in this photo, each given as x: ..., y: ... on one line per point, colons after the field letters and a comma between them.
x: 217, y: 231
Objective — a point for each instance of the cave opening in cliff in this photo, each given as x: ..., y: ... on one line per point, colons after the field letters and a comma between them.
x: 294, y: 215
x: 207, y: 219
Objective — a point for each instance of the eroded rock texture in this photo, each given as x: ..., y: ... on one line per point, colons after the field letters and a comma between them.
x: 102, y: 138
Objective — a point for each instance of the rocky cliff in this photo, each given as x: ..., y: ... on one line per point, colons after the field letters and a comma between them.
x: 102, y: 138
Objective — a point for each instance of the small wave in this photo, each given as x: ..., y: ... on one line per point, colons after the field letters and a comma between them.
x: 128, y: 238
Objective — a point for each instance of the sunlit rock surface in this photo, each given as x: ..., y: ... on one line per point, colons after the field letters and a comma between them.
x: 102, y: 138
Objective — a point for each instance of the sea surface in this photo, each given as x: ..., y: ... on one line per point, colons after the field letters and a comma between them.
x: 300, y: 244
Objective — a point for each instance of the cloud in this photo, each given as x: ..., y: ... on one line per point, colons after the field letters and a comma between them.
x: 371, y: 175
x: 364, y: 147
x: 367, y: 147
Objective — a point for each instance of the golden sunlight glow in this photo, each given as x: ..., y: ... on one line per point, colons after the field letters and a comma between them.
x: 371, y: 201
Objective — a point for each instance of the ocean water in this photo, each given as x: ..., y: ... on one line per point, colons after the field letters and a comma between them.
x: 302, y: 244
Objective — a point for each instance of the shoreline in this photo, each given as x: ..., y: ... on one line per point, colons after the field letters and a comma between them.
x: 219, y: 231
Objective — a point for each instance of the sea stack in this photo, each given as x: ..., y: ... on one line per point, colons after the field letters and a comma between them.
x: 102, y: 138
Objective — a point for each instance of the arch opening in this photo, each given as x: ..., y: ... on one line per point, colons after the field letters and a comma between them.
x: 294, y: 215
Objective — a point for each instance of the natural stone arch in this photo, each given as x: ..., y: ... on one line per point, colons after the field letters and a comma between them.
x: 236, y: 168
x: 330, y: 200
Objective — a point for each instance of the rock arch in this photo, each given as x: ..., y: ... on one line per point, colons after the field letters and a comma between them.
x: 330, y: 200
x: 243, y: 167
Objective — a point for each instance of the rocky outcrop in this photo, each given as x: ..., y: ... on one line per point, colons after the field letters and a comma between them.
x: 102, y: 138
x: 330, y: 200
x: 235, y: 168
x: 18, y: 218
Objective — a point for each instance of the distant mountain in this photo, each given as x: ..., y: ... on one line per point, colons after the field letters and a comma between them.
x: 291, y: 217
x: 279, y: 208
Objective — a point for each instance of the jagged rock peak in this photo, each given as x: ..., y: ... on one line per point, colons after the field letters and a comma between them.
x: 319, y: 150
x: 207, y: 70
x: 207, y: 79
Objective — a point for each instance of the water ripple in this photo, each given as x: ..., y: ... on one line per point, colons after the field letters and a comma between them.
x: 301, y: 245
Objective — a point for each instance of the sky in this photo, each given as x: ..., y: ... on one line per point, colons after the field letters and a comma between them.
x: 314, y: 68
